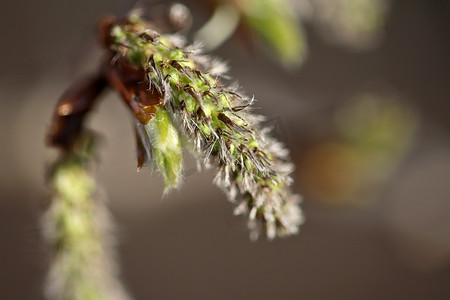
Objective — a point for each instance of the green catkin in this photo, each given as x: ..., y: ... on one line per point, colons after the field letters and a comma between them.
x: 76, y: 225
x: 253, y: 169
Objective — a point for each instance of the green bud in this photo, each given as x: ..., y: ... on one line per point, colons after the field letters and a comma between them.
x: 166, y: 147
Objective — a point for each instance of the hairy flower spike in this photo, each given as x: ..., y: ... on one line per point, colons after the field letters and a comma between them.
x: 253, y: 169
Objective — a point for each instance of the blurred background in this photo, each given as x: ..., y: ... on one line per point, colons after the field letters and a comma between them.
x: 366, y: 117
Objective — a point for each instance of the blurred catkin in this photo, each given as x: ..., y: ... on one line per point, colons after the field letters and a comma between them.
x: 274, y: 21
x: 77, y: 226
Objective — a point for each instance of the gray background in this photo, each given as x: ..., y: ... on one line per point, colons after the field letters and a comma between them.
x: 188, y: 245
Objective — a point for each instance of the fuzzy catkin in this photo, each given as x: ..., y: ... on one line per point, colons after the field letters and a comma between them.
x: 77, y: 226
x: 217, y: 121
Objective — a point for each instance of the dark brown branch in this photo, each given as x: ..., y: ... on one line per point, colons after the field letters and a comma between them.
x: 71, y: 111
